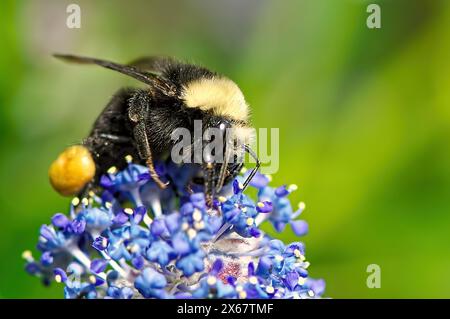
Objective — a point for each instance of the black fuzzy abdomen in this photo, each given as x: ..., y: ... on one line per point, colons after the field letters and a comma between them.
x: 111, y: 137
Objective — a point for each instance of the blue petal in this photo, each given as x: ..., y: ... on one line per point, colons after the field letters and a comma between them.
x: 77, y: 226
x: 100, y: 243
x: 255, y: 232
x: 198, y: 200
x: 139, y: 213
x: 251, y: 269
x: 97, y: 218
x: 236, y: 187
x: 318, y: 286
x: 191, y: 264
x: 120, y: 219
x: 279, y: 226
x: 290, y: 249
x: 217, y: 266
x: 181, y: 244
x: 160, y: 252
x: 98, y: 265
x: 264, y: 266
x: 47, y: 258
x: 281, y: 191
x: 60, y: 220
x: 259, y: 180
x: 150, y: 282
x: 172, y: 222
x: 138, y: 262
x: 300, y: 227
x: 264, y: 207
x: 291, y: 280
x: 61, y: 273
x: 158, y: 227
x: 186, y: 209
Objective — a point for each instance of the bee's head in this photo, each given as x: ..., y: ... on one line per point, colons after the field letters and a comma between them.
x: 226, y: 117
x: 223, y: 149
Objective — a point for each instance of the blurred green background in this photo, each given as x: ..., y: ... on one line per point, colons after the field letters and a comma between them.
x: 364, y: 118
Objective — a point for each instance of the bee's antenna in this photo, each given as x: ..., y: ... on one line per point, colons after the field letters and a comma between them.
x: 143, y: 76
x: 254, y: 170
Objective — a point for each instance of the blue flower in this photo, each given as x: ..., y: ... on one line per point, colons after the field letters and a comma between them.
x: 100, y: 243
x: 74, y: 290
x: 60, y: 275
x: 255, y: 291
x: 151, y: 284
x: 264, y: 207
x: 60, y: 220
x: 240, y: 212
x: 191, y: 263
x: 126, y: 180
x: 119, y: 293
x: 46, y: 258
x: 172, y: 222
x: 259, y: 180
x: 96, y: 218
x: 138, y: 261
x: 317, y: 286
x: 264, y: 267
x: 77, y: 226
x: 160, y: 252
x: 213, y: 287
x: 32, y: 268
x: 117, y: 249
x: 51, y: 239
x: 98, y: 265
x: 282, y: 212
x: 181, y: 244
x: 158, y: 227
x: 137, y: 241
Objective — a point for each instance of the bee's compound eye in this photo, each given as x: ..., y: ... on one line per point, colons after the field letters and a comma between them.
x: 72, y: 170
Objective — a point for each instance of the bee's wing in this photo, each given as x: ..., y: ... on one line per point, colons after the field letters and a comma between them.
x: 153, y: 64
x: 144, y: 75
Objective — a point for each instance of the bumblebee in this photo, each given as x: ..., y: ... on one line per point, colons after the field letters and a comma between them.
x: 140, y: 121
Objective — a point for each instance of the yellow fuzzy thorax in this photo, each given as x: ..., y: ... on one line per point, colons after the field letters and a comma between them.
x: 219, y: 95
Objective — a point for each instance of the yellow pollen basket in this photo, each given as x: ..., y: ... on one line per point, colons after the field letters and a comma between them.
x: 72, y: 170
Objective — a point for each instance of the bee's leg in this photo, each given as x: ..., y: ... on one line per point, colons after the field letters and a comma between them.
x: 209, y: 183
x: 138, y: 113
x: 145, y: 152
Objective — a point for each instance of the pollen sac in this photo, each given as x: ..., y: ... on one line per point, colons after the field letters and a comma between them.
x: 72, y: 170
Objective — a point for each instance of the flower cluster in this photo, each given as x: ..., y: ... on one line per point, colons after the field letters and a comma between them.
x: 134, y: 240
